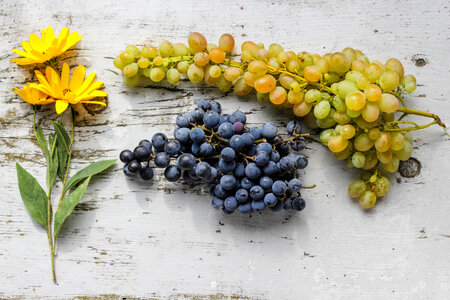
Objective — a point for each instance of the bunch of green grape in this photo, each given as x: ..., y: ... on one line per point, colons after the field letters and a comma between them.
x: 352, y: 99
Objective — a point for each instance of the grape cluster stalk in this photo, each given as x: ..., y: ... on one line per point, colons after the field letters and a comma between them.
x: 351, y: 99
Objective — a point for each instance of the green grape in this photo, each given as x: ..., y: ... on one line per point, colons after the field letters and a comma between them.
x: 323, y: 66
x: 313, y: 95
x: 210, y: 46
x: 338, y: 130
x: 389, y: 81
x: 348, y: 131
x: 363, y: 142
x: 130, y: 70
x: 397, y: 141
x: 273, y: 62
x: 149, y: 52
x: 310, y: 121
x: 353, y: 114
x: 195, y: 73
x: 349, y: 163
x: 223, y: 84
x: 405, y: 152
x: 388, y: 117
x: 383, y: 143
x: 262, y: 97
x: 328, y: 121
x: 257, y: 67
x: 133, y: 50
x: 241, y: 88
x: 408, y: 136
x: 371, y: 160
x: 341, y: 118
x: 157, y: 74
x: 339, y: 63
x: 364, y: 59
x: 374, y: 133
x: 381, y: 186
x: 349, y: 53
x: 286, y: 81
x: 396, y: 66
x: 409, y: 83
x: 333, y: 78
x: 293, y: 67
x: 392, y: 166
x: 146, y: 72
x: 173, y: 76
x: 143, y: 63
x: 353, y: 76
x: 344, y: 154
x: 166, y: 49
x: 180, y: 49
x: 373, y: 72
x: 322, y: 109
x: 359, y: 65
x: 305, y: 59
x: 282, y: 57
x: 226, y: 42
x: 365, y: 176
x: 182, y: 66
x: 326, y: 135
x: 346, y: 87
x: 275, y: 49
x: 126, y: 57
x: 215, y: 71
x: 356, y: 189
x: 362, y: 83
x: 232, y: 73
x: 295, y: 97
x: 118, y: 63
x: 339, y: 104
x: 208, y: 78
x: 358, y: 159
x: 158, y: 61
x: 368, y: 200
x: 364, y: 124
x: 384, y: 157
x: 131, y: 81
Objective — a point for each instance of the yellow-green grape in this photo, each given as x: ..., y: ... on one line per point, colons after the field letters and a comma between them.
x: 374, y: 134
x: 353, y: 76
x: 349, y: 163
x: 251, y: 78
x: 316, y: 58
x: 226, y: 42
x: 208, y: 78
x: 409, y: 83
x: 263, y: 84
x: 348, y: 131
x: 328, y: 121
x: 278, y: 95
x: 358, y: 160
x: 367, y: 200
x: 305, y: 59
x: 286, y: 81
x: 384, y: 157
x: 246, y: 55
x: 355, y: 101
x: 241, y: 88
x: 322, y: 109
x: 364, y: 59
x: 262, y: 97
x: 195, y: 73
x: 346, y: 87
x: 130, y: 70
x: 356, y: 189
x: 282, y: 57
x: 126, y: 57
x: 322, y: 65
x: 363, y: 124
x: 313, y: 95
x: 373, y: 72
x: 251, y: 47
x: 131, y: 81
x: 143, y: 63
x: 149, y: 52
x: 365, y: 176
x: 352, y: 114
x: 338, y: 129
x: 370, y: 112
x: 180, y: 49
x: 397, y: 141
x: 215, y: 71
x: 333, y: 78
x: 310, y: 121
x: 341, y: 118
x: 157, y: 74
x: 158, y: 61
x: 405, y: 152
x: 182, y: 66
x: 197, y: 42
x: 392, y: 166
x: 388, y: 117
x: 133, y: 50
x: 217, y: 55
x: 337, y: 143
x: 333, y: 86
x: 165, y: 49
x: 372, y: 92
x: 326, y: 135
x: 146, y: 72
x: 210, y: 46
x: 295, y: 86
x: 223, y: 84
x: 389, y: 81
x: 274, y: 50
x: 118, y: 63
x: 383, y: 143
x: 381, y: 186
x: 312, y: 73
x: 344, y: 154
x: 302, y: 109
x: 349, y: 53
x: 362, y: 82
x: 173, y: 76
x: 379, y: 63
x: 257, y: 67
x: 363, y: 142
x: 339, y: 104
x: 371, y: 160
x: 273, y: 63
x: 388, y: 103
x: 358, y: 65
x: 201, y: 59
x: 293, y: 66
x: 295, y: 97
x: 291, y: 55
x: 339, y: 63
x: 408, y: 136
x: 396, y: 66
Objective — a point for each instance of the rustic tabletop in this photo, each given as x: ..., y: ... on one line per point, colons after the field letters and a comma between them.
x: 163, y: 240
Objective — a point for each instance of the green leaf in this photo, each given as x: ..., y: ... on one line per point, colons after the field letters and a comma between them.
x: 62, y: 147
x: 68, y: 205
x: 62, y: 134
x: 33, y: 196
x: 52, y: 169
x: 88, y: 171
x: 42, y: 142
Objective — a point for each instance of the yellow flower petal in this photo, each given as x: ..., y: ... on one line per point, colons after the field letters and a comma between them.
x: 86, y: 83
x: 72, y: 39
x: 94, y: 102
x: 61, y: 106
x: 36, y: 43
x: 65, y: 74
x: 48, y: 35
x: 77, y: 78
x: 23, y: 61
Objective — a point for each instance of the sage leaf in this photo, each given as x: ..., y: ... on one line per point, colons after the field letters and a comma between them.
x: 62, y: 147
x: 42, y: 142
x: 88, y: 171
x: 68, y: 205
x: 62, y: 134
x: 33, y: 196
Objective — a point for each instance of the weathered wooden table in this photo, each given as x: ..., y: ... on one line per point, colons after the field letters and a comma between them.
x: 163, y: 240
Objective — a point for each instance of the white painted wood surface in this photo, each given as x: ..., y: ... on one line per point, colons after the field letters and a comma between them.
x: 163, y: 240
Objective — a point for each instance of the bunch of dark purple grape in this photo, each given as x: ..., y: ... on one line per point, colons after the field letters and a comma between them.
x: 250, y: 168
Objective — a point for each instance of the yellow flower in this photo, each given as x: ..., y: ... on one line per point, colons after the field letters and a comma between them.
x: 64, y: 92
x: 40, y: 50
x: 33, y: 96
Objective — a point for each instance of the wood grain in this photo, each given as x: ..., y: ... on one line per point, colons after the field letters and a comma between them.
x: 163, y: 240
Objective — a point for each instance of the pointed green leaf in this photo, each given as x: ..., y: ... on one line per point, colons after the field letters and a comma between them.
x: 68, y: 205
x: 33, y: 196
x: 42, y: 141
x: 62, y: 147
x: 63, y: 136
x: 52, y: 169
x: 88, y: 171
